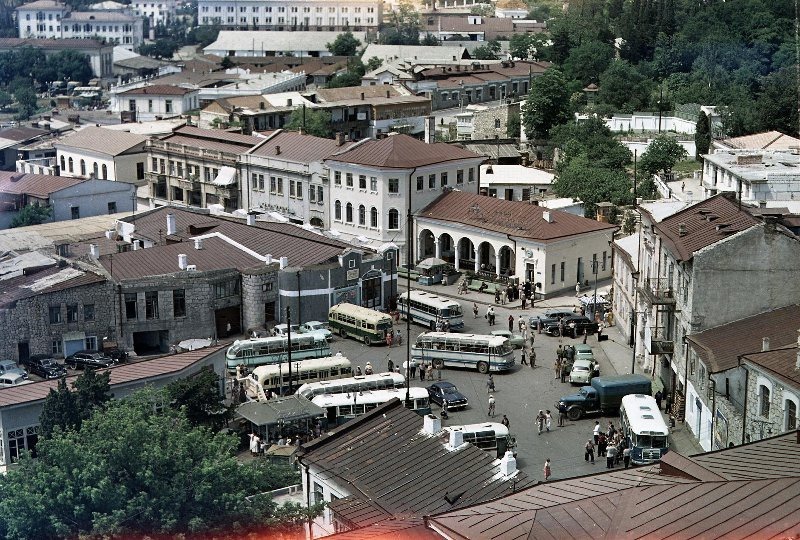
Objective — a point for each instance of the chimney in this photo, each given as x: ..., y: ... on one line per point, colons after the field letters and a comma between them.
x: 508, y: 464
x: 277, y: 150
x: 251, y: 219
x: 289, y: 102
x: 183, y: 261
x: 681, y: 229
x: 431, y: 424
x: 430, y: 129
x: 456, y: 439
x: 198, y: 243
x: 110, y: 234
x: 94, y: 251
x: 171, y: 229
x: 547, y: 217
x: 284, y: 262
x: 135, y: 245
x: 764, y: 344
x: 262, y: 106
x: 362, y: 96
x: 388, y: 93
x: 339, y: 138
x: 268, y: 258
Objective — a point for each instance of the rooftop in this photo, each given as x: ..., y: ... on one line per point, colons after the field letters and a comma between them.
x: 101, y: 16
x: 22, y: 133
x: 44, y: 281
x: 158, y: 90
x: 213, y: 139
x: 782, y: 363
x: 415, y: 53
x: 37, y: 185
x: 58, y: 44
x: 514, y: 218
x: 402, y: 152
x: 629, y: 249
x: 43, y: 4
x: 758, y: 166
x: 268, y: 41
x: 515, y: 174
x: 768, y: 140
x: 106, y: 141
x: 294, y: 146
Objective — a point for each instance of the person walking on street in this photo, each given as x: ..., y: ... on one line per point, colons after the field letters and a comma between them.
x: 505, y: 421
x: 548, y: 420
x: 412, y: 366
x: 589, y: 451
x: 390, y: 365
x: 491, y: 406
x: 523, y: 362
x: 490, y: 315
x: 611, y: 453
x: 658, y: 397
x: 533, y: 358
x: 626, y: 457
x: 523, y: 299
x: 578, y: 289
x: 565, y: 372
x: 511, y: 323
x: 540, y: 421
x: 557, y: 368
x: 490, y: 384
x: 546, y: 469
x: 475, y: 309
x: 422, y: 372
x: 602, y: 444
x: 562, y: 414
x: 596, y: 434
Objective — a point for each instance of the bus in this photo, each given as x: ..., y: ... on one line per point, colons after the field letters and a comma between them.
x: 427, y: 309
x: 273, y: 350
x: 358, y: 322
x: 376, y: 381
x: 275, y: 377
x: 644, y: 428
x: 493, y: 437
x: 486, y: 353
x: 339, y: 408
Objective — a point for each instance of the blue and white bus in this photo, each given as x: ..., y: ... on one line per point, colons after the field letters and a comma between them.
x: 339, y: 408
x: 644, y: 428
x: 376, y: 381
x: 484, y: 353
x: 427, y: 309
x: 274, y: 350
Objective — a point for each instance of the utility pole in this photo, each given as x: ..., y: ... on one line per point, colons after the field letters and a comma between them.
x: 595, y: 264
x: 289, y: 343
x: 409, y: 259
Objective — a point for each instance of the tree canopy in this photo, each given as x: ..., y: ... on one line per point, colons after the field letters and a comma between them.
x: 31, y: 215
x: 66, y: 409
x: 661, y: 155
x: 546, y: 104
x: 317, y: 122
x: 201, y: 398
x: 403, y: 27
x: 345, y: 44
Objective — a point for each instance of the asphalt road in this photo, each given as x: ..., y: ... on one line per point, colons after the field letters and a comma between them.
x: 520, y: 393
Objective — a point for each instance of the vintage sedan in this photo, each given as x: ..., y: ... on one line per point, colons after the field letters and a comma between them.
x: 444, y: 392
x: 516, y: 340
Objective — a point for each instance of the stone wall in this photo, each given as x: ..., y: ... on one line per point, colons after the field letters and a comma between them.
x: 258, y: 288
x: 485, y: 123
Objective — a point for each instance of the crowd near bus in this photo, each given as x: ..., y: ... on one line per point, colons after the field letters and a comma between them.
x: 430, y: 310
x: 484, y: 353
x: 363, y: 324
x: 273, y: 350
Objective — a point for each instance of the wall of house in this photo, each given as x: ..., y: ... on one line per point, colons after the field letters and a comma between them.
x: 126, y: 167
x: 758, y: 425
x: 623, y: 306
x: 92, y: 198
x: 259, y: 288
x: 149, y: 107
x: 569, y: 252
x: 326, y: 488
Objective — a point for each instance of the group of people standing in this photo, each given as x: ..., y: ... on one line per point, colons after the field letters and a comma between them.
x: 612, y: 444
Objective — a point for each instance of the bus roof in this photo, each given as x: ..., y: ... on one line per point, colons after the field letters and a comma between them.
x: 360, y: 312
x: 497, y: 427
x: 475, y: 338
x: 430, y: 298
x: 368, y: 396
x: 643, y: 414
x: 309, y: 363
x: 397, y: 377
x: 254, y: 342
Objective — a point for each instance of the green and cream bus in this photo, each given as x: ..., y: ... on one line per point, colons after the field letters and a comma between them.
x: 363, y: 324
x: 445, y: 349
x: 427, y: 309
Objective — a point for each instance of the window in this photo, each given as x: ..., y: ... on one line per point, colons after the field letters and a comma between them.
x: 279, y: 190
x: 394, y: 219
x: 83, y: 168
x: 604, y: 261
x: 337, y: 211
x: 75, y: 212
x: 362, y: 215
x: 471, y: 176
x: 312, y: 194
x: 88, y: 312
x: 563, y: 270
x: 362, y: 181
x: 460, y: 176
x: 226, y: 288
x: 496, y: 123
x: 131, y: 306
x: 552, y: 274
x: 55, y: 314
x: 56, y: 347
x: 320, y: 198
x: 373, y: 217
x: 90, y: 343
x: 63, y: 163
x: 112, y: 206
x: 791, y: 415
x: 168, y: 106
x: 70, y: 165
x: 349, y: 180
x: 763, y: 401
x: 373, y: 183
x: 432, y: 181
x: 299, y: 192
x: 420, y: 183
x: 394, y: 185
x: 348, y: 213
x: 337, y: 178
x: 72, y: 313
x: 291, y: 188
x: 273, y: 184
x: 443, y: 178
x: 151, y: 305
x: 179, y: 303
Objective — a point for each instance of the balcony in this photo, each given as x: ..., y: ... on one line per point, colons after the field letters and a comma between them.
x: 658, y: 292
x: 660, y: 343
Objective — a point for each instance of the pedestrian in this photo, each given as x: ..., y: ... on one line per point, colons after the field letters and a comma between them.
x: 546, y: 469
x: 565, y: 368
x: 505, y: 421
x: 589, y: 451
x: 368, y: 369
x: 511, y: 323
x: 562, y: 414
x: 659, y: 396
x: 683, y: 186
x: 540, y: 421
x: 255, y: 443
x: 560, y: 353
x: 390, y: 366
x: 578, y: 289
x: 626, y: 457
x: 412, y: 366
x: 496, y: 295
x: 430, y: 372
x: 610, y: 430
x: 524, y: 300
x: 422, y: 372
x: 611, y: 453
x: 548, y: 420
x: 523, y: 362
x: 399, y: 337
x: 358, y: 371
x: 533, y: 359
x: 491, y: 406
x: 521, y: 324
x: 596, y: 433
x: 667, y: 402
x: 475, y: 309
x: 533, y: 339
x: 557, y: 368
x: 389, y: 339
x: 602, y: 444
x: 490, y: 384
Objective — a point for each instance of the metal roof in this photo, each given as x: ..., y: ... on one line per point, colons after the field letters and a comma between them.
x: 37, y: 185
x: 298, y: 147
x: 104, y: 141
x: 401, y: 152
x: 44, y: 281
x: 286, y: 409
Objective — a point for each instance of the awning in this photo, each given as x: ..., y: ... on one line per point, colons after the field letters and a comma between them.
x: 432, y: 262
x: 284, y: 410
x: 226, y: 177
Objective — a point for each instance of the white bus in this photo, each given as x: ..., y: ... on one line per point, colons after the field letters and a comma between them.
x: 376, y: 381
x: 486, y: 353
x: 275, y: 377
x: 493, y: 437
x: 272, y: 350
x: 363, y: 324
x: 339, y: 408
x: 427, y: 309
x: 644, y: 428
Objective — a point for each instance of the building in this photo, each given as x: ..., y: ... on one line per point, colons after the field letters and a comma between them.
x: 157, y: 102
x: 104, y: 154
x: 626, y: 273
x: 757, y: 142
x: 411, y: 55
x: 468, y: 27
x: 69, y: 197
x: 12, y: 139
x: 285, y: 42
x: 163, y: 12
x: 371, y: 183
x: 762, y: 177
x: 101, y: 55
x: 551, y: 249
x: 197, y: 167
x: 51, y: 19
x: 483, y: 122
x: 511, y: 9
x: 515, y: 182
x: 21, y: 407
x: 419, y: 471
x: 294, y: 15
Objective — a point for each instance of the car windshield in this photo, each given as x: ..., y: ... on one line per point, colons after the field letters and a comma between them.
x: 314, y: 326
x: 449, y: 390
x: 580, y: 368
x: 49, y: 363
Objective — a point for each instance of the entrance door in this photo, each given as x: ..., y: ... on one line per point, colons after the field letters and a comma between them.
x: 371, y: 291
x: 580, y: 270
x: 699, y: 406
x: 228, y: 322
x: 23, y: 351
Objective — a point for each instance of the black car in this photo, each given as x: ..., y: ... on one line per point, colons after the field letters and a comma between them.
x: 549, y: 317
x: 92, y: 359
x: 45, y: 367
x: 445, y: 392
x: 118, y: 355
x: 575, y: 325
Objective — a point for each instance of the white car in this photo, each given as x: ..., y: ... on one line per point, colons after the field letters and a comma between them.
x: 283, y: 330
x: 13, y: 379
x: 317, y: 327
x: 581, y: 371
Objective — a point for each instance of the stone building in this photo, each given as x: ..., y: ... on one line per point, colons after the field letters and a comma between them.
x: 480, y: 122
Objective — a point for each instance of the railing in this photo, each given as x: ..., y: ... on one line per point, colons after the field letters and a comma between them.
x: 660, y: 342
x: 658, y: 291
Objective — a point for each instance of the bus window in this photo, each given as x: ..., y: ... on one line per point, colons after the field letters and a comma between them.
x: 358, y: 409
x: 345, y: 410
x: 332, y: 415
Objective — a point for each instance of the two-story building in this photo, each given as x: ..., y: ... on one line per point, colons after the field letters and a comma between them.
x: 765, y: 177
x: 105, y: 154
x: 515, y: 182
x: 162, y: 12
x: 100, y: 54
x: 158, y: 101
x: 283, y: 42
x: 293, y: 15
x: 375, y: 182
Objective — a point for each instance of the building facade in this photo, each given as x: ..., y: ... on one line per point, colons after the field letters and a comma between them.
x: 157, y: 102
x: 101, y: 55
x: 103, y: 154
x: 754, y: 176
x: 327, y: 15
x: 162, y: 12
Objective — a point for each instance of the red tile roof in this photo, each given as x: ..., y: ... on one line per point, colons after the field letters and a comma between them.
x: 22, y: 133
x: 702, y: 221
x: 402, y: 152
x: 216, y: 134
x: 779, y: 362
x: 121, y: 374
x: 297, y: 147
x: 158, y: 90
x: 515, y: 218
x: 37, y: 185
x: 45, y: 281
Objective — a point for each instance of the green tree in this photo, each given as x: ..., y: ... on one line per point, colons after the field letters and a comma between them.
x: 587, y: 61
x: 26, y: 101
x: 403, y: 27
x: 60, y: 410
x: 161, y: 48
x: 345, y: 44
x: 484, y: 10
x: 352, y: 76
x: 93, y: 391
x: 31, y: 215
x: 430, y: 40
x: 624, y: 88
x: 202, y: 399
x: 546, y: 104
x: 203, y: 35
x: 317, y: 122
x: 373, y: 64
x: 702, y: 135
x: 488, y: 51
x: 593, y: 139
x: 132, y: 471
x: 70, y: 65
x: 513, y: 126
x: 523, y: 46
x: 583, y: 179
x: 5, y: 99
x: 226, y: 63
x: 661, y: 155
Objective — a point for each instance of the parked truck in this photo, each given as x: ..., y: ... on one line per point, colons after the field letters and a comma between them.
x: 604, y: 395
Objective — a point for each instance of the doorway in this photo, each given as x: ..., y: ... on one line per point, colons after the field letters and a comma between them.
x: 23, y: 351
x: 227, y: 322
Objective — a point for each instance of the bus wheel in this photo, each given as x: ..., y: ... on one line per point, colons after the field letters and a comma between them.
x: 433, y: 326
x: 342, y: 332
x: 438, y: 363
x: 367, y: 341
x: 483, y: 367
x: 574, y: 413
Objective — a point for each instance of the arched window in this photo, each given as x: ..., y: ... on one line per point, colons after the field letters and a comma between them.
x: 373, y: 217
x: 105, y: 172
x: 95, y: 170
x: 394, y: 219
x: 63, y: 164
x: 348, y: 213
x: 83, y: 168
x: 70, y: 165
x: 763, y: 401
x: 337, y: 210
x: 362, y: 215
x: 791, y: 415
